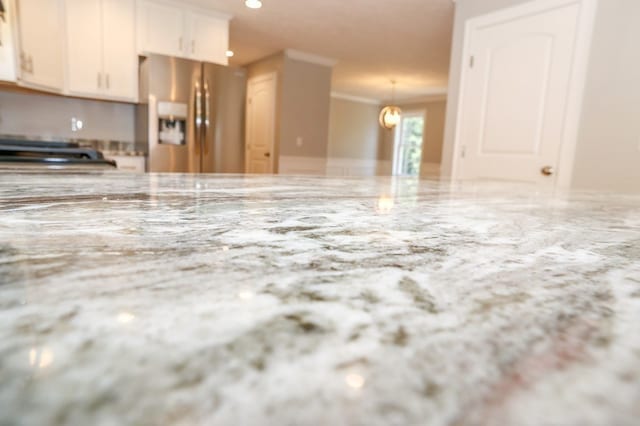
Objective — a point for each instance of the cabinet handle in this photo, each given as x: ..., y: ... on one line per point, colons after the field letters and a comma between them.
x: 180, y: 44
x: 193, y: 46
x: 99, y: 80
x: 31, y: 67
x: 107, y: 80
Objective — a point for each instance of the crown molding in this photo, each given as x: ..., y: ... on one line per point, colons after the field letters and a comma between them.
x: 347, y: 97
x: 422, y: 99
x: 310, y: 57
x: 426, y: 95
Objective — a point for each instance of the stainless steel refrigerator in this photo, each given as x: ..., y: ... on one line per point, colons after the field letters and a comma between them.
x: 191, y: 115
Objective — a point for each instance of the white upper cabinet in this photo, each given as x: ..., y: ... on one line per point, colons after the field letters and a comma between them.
x: 120, y: 58
x: 209, y: 37
x: 161, y: 28
x: 84, y: 41
x: 173, y: 29
x: 101, y: 55
x: 40, y: 38
x: 8, y: 67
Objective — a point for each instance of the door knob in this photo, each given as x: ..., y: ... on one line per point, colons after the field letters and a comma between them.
x: 267, y: 154
x: 547, y: 170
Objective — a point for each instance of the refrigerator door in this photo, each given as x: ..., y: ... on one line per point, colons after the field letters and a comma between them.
x: 223, y: 130
x: 174, y: 96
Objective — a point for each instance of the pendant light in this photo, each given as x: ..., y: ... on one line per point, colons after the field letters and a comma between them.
x: 390, y: 115
x: 253, y: 4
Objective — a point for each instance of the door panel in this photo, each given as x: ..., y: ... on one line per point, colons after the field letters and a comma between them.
x: 162, y: 30
x: 41, y: 41
x: 84, y: 47
x: 515, y: 96
x: 209, y: 38
x: 261, y: 97
x: 120, y: 57
x: 519, y: 70
x: 7, y: 59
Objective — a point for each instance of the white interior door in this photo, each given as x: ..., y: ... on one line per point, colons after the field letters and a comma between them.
x: 260, y: 129
x: 515, y: 95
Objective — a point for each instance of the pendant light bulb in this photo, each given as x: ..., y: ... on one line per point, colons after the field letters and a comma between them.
x: 253, y: 4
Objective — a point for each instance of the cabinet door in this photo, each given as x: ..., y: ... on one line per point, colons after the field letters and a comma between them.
x: 84, y: 47
x: 133, y: 164
x: 7, y: 59
x: 120, y: 57
x: 161, y: 29
x: 209, y: 38
x: 41, y: 40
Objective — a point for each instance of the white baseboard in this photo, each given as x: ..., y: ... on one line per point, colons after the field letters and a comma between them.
x: 356, y: 167
x: 290, y: 165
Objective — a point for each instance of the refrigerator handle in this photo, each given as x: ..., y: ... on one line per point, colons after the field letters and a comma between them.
x: 198, y: 118
x: 207, y: 114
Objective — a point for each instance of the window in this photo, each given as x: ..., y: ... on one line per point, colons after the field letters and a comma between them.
x: 408, y: 144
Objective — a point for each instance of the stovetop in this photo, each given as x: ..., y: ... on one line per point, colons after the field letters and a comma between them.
x: 50, y: 153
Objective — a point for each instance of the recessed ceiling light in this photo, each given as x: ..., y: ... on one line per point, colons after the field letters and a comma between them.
x: 229, y: 53
x: 253, y: 4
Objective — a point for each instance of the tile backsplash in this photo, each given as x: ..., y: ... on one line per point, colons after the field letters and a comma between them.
x: 50, y: 117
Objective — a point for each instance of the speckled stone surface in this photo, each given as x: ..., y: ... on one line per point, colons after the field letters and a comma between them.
x: 230, y: 300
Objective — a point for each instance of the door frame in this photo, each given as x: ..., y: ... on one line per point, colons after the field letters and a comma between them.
x: 577, y: 80
x: 274, y: 154
x: 397, y: 134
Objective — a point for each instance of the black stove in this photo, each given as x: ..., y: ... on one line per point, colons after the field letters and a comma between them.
x: 52, y: 155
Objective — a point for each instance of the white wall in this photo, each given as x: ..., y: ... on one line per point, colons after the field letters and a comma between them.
x: 608, y: 150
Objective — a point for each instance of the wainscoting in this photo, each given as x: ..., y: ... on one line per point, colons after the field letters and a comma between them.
x: 346, y: 167
x: 355, y: 167
x: 302, y: 166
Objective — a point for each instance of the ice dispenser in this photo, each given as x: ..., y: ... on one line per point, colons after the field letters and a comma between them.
x: 172, y: 123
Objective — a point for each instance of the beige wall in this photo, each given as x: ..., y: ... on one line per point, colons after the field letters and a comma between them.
x: 608, y: 150
x: 353, y: 130
x: 433, y: 133
x: 305, y: 109
x: 302, y: 105
x: 49, y: 116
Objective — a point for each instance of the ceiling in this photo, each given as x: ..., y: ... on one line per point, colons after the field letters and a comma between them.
x: 373, y: 41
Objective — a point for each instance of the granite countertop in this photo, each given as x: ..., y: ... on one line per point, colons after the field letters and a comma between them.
x: 230, y: 300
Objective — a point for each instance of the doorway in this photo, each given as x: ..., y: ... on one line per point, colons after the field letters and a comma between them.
x: 260, y: 125
x: 521, y: 87
x: 408, y: 142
